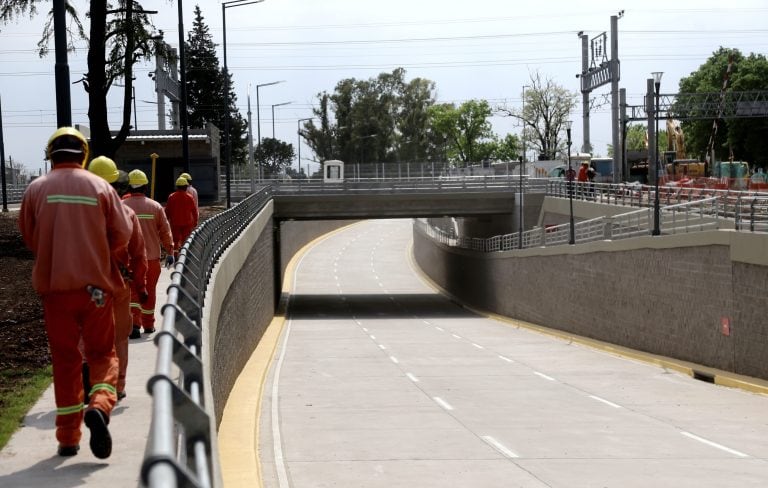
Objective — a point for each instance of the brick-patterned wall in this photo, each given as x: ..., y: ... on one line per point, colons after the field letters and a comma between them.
x: 245, y: 313
x: 664, y: 301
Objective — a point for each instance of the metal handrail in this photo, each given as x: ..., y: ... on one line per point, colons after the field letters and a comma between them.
x: 692, y: 216
x: 179, y: 451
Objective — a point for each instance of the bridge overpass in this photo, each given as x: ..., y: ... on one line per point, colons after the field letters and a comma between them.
x: 212, y: 344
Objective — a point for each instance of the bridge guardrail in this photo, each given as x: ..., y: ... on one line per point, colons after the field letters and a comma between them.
x: 179, y: 447
x: 692, y: 216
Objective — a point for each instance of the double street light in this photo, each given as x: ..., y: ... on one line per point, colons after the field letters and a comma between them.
x: 227, y: 120
x: 656, y: 211
x: 258, y: 120
x: 570, y: 178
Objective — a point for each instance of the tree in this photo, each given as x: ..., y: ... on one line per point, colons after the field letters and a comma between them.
x: 745, y: 138
x: 464, y: 128
x: 546, y: 107
x: 117, y: 39
x: 506, y: 149
x: 637, y: 139
x: 380, y: 119
x: 207, y: 100
x: 275, y: 156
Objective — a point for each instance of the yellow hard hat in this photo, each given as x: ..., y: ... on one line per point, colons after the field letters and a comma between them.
x: 181, y: 181
x: 104, y: 167
x: 186, y: 176
x: 137, y: 178
x: 67, y: 140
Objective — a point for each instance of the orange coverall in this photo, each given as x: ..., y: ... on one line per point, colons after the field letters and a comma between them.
x: 182, y: 215
x: 157, y: 232
x: 75, y: 225
x: 136, y: 284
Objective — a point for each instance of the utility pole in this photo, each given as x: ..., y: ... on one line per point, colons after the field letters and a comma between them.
x: 586, y: 145
x: 597, y: 72
x: 615, y: 76
x: 2, y: 159
x: 63, y: 99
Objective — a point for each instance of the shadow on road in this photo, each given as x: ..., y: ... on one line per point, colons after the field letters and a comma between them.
x: 345, y: 306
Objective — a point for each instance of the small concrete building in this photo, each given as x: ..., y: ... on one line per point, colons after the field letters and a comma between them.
x: 204, y: 165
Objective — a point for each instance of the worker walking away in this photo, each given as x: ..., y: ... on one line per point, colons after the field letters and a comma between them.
x: 76, y: 227
x: 582, y: 178
x: 157, y: 235
x: 192, y: 190
x: 182, y: 213
x: 134, y: 274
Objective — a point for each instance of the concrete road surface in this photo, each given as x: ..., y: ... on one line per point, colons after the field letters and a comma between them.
x: 378, y: 381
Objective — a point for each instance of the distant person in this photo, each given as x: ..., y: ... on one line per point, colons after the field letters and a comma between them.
x: 157, y: 235
x: 591, y: 173
x: 134, y: 274
x: 76, y: 227
x: 570, y: 175
x: 582, y: 177
x: 182, y: 213
x: 192, y: 190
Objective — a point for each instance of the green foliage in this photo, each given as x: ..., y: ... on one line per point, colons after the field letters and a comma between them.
x: 464, y: 128
x: 745, y: 138
x: 275, y: 157
x: 119, y: 36
x: 207, y: 97
x: 545, y: 109
x: 637, y: 139
x: 379, y: 119
x: 20, y: 392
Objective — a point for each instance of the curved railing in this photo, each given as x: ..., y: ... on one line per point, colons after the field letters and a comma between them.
x: 179, y: 445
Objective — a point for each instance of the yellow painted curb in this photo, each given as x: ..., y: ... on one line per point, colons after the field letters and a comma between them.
x: 719, y: 377
x: 238, y: 433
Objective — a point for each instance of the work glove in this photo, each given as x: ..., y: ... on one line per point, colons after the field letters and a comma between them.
x: 169, y: 261
x: 143, y: 296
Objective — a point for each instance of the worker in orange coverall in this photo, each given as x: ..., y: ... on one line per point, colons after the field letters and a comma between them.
x: 75, y: 225
x: 182, y: 213
x: 134, y: 275
x: 157, y: 234
x: 192, y: 190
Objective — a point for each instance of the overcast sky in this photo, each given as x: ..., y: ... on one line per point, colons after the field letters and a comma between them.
x: 475, y: 49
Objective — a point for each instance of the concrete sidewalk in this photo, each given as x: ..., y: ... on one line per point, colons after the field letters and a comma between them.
x: 30, y: 458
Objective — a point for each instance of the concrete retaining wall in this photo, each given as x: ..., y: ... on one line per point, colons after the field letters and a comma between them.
x: 667, y: 295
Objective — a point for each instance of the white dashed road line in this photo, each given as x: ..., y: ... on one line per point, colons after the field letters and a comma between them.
x: 714, y: 444
x: 412, y: 377
x: 603, y: 400
x: 442, y: 403
x: 548, y: 378
x: 499, y: 446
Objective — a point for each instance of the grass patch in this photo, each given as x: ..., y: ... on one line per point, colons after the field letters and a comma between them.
x: 19, y: 393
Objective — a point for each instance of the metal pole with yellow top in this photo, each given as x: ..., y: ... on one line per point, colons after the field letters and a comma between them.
x: 154, y: 157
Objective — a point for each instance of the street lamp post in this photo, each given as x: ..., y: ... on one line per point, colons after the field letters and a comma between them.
x: 298, y: 142
x: 258, y: 121
x: 251, y: 165
x: 520, y: 226
x: 273, y: 115
x: 227, y: 115
x: 656, y: 211
x: 572, y: 235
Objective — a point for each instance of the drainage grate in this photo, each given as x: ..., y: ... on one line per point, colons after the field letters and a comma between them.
x: 701, y: 376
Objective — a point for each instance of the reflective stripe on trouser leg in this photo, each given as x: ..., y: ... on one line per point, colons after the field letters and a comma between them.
x: 144, y: 313
x: 123, y: 328
x: 60, y: 311
x: 99, y: 343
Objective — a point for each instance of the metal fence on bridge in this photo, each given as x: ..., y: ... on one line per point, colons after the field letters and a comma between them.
x: 179, y: 447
